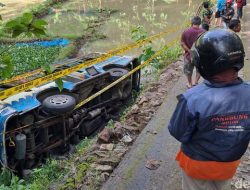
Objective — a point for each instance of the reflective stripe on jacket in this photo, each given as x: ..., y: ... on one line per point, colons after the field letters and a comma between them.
x: 213, y: 123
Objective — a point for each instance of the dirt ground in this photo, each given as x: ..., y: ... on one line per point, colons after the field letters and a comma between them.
x: 12, y: 8
x: 242, y: 177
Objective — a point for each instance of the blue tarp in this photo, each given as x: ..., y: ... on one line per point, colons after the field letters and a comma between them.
x: 51, y: 43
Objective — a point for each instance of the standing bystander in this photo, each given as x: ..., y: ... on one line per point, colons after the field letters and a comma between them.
x: 219, y: 7
x: 212, y: 120
x: 206, y: 16
x: 239, y: 8
x: 227, y: 13
x: 188, y: 37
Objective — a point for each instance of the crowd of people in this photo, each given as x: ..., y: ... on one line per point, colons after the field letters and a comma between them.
x: 201, y: 24
x: 225, y: 11
x: 212, y: 119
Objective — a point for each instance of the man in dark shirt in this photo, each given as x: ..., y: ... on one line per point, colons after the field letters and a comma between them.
x: 227, y: 13
x: 188, y: 37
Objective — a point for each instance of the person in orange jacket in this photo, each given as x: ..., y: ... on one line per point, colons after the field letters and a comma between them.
x: 212, y: 119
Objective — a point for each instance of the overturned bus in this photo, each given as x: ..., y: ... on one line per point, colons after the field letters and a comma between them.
x: 37, y: 122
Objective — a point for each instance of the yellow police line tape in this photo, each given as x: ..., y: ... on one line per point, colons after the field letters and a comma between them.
x: 158, y: 53
x: 39, y: 81
x: 125, y: 48
x: 34, y: 72
x: 198, y: 11
x: 112, y: 51
x: 25, y: 75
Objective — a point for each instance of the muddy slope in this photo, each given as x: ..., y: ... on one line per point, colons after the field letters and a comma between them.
x: 113, y: 143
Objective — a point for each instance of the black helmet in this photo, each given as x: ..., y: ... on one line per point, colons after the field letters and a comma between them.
x: 216, y: 51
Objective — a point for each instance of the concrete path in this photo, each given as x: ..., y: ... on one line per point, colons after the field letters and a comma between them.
x: 245, y: 36
x: 132, y: 174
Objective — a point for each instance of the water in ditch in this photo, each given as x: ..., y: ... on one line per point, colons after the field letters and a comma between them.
x: 154, y: 15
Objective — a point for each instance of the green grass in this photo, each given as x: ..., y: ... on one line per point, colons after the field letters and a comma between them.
x: 27, y: 58
x: 42, y: 177
x: 52, y: 171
